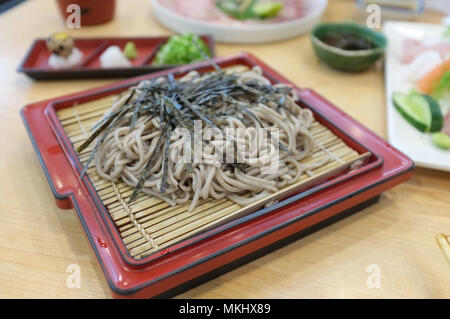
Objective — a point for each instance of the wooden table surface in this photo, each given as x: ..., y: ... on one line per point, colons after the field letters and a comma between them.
x: 38, y: 241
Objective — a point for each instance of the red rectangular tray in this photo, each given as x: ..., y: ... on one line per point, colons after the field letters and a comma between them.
x: 35, y: 63
x: 213, y: 252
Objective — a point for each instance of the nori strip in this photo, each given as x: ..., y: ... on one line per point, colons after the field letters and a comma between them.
x: 96, y: 133
x: 100, y: 141
x: 166, y: 159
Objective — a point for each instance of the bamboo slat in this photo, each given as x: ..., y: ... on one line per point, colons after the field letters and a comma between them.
x: 150, y: 224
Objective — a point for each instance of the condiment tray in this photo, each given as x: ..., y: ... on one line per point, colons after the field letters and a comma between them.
x: 35, y: 63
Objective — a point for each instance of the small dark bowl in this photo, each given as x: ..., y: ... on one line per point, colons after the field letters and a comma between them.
x: 347, y: 60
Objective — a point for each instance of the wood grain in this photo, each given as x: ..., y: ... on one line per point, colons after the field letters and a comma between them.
x: 38, y: 241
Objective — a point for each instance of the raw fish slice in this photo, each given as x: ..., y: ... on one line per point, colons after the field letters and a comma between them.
x: 412, y: 48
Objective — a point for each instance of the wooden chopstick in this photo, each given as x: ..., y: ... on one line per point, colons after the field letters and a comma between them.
x: 443, y: 242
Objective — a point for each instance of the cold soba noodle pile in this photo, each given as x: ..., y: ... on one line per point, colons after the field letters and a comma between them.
x: 147, y: 138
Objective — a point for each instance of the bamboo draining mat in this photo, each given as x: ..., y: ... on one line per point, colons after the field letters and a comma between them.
x: 150, y: 224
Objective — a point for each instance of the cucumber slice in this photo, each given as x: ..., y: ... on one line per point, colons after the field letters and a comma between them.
x: 442, y: 140
x: 267, y: 10
x: 420, y: 110
x: 437, y: 119
x: 414, y: 108
x: 253, y: 10
x: 234, y: 9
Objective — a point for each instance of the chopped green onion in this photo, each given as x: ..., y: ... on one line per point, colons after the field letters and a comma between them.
x: 182, y: 49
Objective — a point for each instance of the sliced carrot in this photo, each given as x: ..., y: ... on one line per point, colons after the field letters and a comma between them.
x: 426, y: 84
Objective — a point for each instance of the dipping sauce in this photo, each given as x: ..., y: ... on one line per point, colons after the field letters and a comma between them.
x: 348, y: 42
x: 206, y: 10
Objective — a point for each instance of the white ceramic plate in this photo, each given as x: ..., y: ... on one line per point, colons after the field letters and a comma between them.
x: 401, y: 134
x: 241, y: 33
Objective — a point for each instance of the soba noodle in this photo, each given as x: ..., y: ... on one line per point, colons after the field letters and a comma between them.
x: 125, y: 150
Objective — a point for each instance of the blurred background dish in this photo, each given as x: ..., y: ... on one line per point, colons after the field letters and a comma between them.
x: 147, y: 54
x: 415, y: 50
x: 295, y: 18
x: 93, y: 12
x: 347, y: 46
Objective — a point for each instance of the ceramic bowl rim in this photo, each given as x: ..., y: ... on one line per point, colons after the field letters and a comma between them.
x: 348, y: 53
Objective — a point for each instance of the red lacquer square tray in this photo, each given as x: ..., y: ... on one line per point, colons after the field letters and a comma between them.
x: 208, y: 254
x: 35, y: 63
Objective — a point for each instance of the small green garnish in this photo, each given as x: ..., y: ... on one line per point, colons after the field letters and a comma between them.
x: 447, y: 32
x: 441, y: 140
x: 442, y: 88
x: 249, y: 9
x: 181, y: 49
x: 130, y: 50
x: 267, y: 10
x: 420, y: 110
